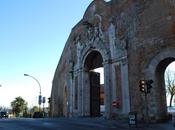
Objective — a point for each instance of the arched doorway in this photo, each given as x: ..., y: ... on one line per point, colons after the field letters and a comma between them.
x: 160, y: 83
x: 170, y: 87
x: 157, y: 103
x: 93, y: 88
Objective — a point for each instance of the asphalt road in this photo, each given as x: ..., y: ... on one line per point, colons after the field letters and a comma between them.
x: 53, y: 124
x: 74, y: 124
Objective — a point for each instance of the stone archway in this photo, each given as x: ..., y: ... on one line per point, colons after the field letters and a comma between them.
x: 160, y: 85
x: 91, y: 82
x: 156, y: 69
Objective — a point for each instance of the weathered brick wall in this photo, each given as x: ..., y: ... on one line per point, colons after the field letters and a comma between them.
x: 155, y: 33
x: 147, y: 27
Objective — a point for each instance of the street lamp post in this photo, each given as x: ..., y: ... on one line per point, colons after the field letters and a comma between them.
x: 40, y: 97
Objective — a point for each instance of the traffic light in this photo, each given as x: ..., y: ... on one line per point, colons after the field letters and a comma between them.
x: 49, y: 100
x: 39, y: 99
x: 44, y: 99
x: 149, y: 85
x: 142, y: 85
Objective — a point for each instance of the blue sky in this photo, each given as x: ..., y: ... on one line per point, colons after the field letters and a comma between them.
x: 32, y: 36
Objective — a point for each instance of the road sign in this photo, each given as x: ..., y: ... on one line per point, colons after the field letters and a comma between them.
x: 116, y: 103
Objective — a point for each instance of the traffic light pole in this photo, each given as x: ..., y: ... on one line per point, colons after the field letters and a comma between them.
x: 146, y: 109
x: 145, y: 86
x: 39, y: 98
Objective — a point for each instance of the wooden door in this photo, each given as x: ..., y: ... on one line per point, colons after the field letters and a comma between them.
x: 94, y: 94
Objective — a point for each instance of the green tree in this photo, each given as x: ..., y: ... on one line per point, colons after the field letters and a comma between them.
x: 19, y: 106
x: 35, y: 109
x: 170, y: 84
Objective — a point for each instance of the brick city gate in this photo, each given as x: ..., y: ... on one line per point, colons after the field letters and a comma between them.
x: 131, y: 40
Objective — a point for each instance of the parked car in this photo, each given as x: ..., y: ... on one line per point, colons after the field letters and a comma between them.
x: 38, y: 115
x: 3, y: 114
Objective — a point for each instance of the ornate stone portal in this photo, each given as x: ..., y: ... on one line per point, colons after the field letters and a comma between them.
x: 131, y: 41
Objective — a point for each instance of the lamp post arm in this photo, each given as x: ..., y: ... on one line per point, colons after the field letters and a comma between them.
x: 35, y: 80
x: 38, y: 83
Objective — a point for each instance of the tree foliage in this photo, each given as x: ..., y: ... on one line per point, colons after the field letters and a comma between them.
x: 35, y: 109
x: 170, y: 84
x: 19, y: 105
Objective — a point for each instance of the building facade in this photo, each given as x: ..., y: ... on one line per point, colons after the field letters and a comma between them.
x: 131, y: 40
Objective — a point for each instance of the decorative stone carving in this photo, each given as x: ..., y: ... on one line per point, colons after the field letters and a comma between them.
x: 94, y: 30
x: 90, y: 33
x: 79, y: 47
x: 112, y: 39
x: 98, y: 28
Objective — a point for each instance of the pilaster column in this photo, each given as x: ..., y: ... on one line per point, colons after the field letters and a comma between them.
x: 107, y: 89
x: 125, y: 86
x: 80, y: 93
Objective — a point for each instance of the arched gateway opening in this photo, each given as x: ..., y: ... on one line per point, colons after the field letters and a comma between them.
x: 161, y: 87
x: 156, y: 71
x: 94, y: 88
x: 170, y: 87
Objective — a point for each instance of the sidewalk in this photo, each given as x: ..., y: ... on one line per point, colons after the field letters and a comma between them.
x: 143, y: 126
x: 160, y: 126
x: 123, y: 124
